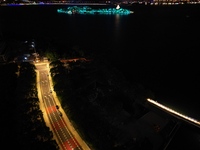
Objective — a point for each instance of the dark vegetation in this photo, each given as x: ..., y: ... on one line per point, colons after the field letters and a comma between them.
x: 23, y: 126
x: 99, y: 101
x: 95, y: 95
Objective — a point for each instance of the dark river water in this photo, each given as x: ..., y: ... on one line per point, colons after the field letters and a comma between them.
x: 157, y: 46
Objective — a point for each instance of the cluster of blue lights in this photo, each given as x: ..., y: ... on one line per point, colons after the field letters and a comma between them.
x: 89, y: 10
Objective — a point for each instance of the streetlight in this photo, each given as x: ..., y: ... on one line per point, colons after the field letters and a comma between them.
x: 35, y: 54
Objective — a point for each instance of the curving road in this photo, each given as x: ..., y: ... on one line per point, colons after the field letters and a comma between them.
x: 60, y: 128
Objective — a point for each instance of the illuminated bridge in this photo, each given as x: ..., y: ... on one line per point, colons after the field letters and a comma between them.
x: 175, y: 114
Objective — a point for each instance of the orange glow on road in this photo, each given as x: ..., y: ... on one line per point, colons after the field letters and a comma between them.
x: 59, y: 124
x: 71, y: 144
x: 51, y: 109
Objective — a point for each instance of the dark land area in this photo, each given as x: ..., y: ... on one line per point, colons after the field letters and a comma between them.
x: 120, y: 117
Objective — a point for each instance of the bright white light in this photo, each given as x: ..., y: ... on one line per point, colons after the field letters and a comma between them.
x: 118, y: 7
x: 173, y: 111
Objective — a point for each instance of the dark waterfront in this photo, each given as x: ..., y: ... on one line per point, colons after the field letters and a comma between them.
x: 156, y: 46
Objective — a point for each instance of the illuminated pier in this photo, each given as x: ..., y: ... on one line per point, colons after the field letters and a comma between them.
x: 89, y: 10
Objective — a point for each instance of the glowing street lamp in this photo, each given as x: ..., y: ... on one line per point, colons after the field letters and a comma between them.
x: 35, y: 53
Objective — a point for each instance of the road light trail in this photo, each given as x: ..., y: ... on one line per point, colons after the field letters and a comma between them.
x: 69, y: 139
x: 65, y: 138
x: 174, y: 112
x: 58, y: 126
x: 49, y: 110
